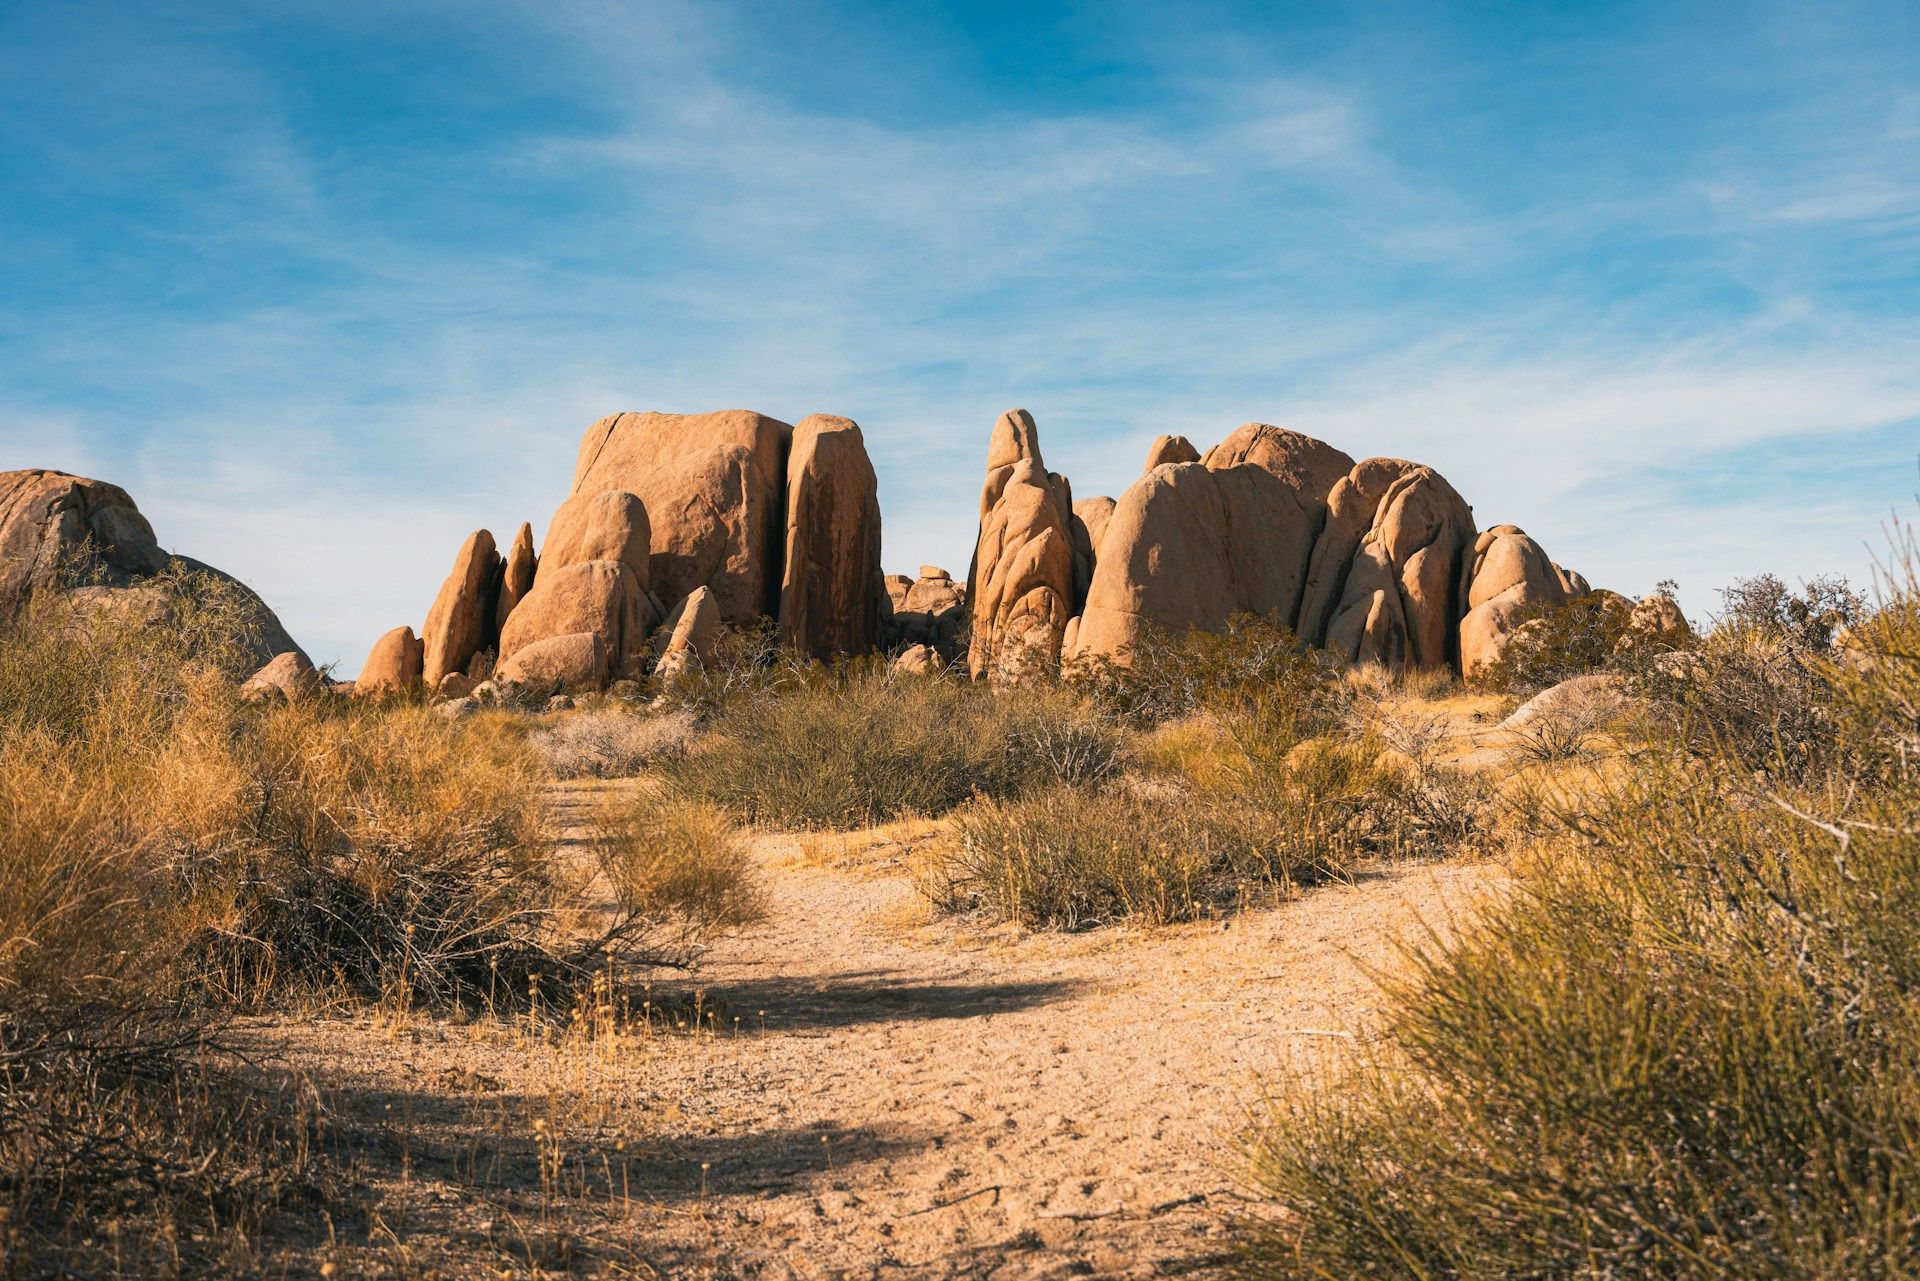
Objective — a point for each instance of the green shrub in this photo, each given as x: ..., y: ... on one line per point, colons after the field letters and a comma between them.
x: 854, y: 747
x: 1684, y: 1046
x: 1557, y: 642
x: 1253, y: 661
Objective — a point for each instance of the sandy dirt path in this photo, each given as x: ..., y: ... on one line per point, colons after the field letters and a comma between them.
x: 875, y: 1094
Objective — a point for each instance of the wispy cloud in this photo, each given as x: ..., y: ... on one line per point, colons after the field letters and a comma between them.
x: 330, y: 288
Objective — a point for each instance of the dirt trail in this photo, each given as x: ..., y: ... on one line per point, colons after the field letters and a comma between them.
x: 898, y: 1097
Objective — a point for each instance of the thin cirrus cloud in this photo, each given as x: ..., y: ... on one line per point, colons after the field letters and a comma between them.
x: 329, y: 288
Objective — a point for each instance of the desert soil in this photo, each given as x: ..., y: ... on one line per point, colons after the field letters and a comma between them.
x: 868, y: 1092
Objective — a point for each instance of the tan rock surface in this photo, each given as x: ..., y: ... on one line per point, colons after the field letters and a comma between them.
x: 517, y: 579
x: 1404, y: 592
x: 599, y: 596
x: 289, y: 676
x: 1090, y: 517
x: 831, y: 592
x: 1021, y: 581
x: 686, y: 640
x: 713, y: 486
x: 1170, y: 449
x: 610, y: 525
x: 575, y: 660
x: 394, y: 665
x: 1312, y: 467
x: 1189, y: 546
x: 52, y: 523
x: 460, y: 622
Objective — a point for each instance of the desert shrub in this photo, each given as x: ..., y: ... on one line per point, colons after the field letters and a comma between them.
x: 612, y: 742
x: 1557, y: 642
x: 1170, y: 675
x: 1761, y: 686
x: 854, y: 746
x: 1683, y: 1046
x: 1267, y: 811
x: 679, y: 863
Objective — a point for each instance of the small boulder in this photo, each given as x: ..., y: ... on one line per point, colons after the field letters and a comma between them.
x: 1170, y: 449
x: 457, y: 708
x: 453, y: 685
x: 686, y: 640
x: 289, y: 676
x: 916, y: 660
x: 559, y: 703
x: 393, y: 666
x: 575, y: 660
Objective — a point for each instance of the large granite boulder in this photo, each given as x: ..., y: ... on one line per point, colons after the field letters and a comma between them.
x: 831, y: 591
x: 460, y: 623
x: 1511, y: 578
x: 713, y: 486
x: 517, y: 579
x: 1190, y: 546
x: 1401, y: 602
x: 1021, y: 584
x: 60, y: 531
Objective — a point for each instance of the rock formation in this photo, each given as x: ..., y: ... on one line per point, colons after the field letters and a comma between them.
x: 460, y: 623
x: 58, y: 531
x: 664, y: 508
x: 1400, y: 606
x: 393, y: 666
x: 517, y: 580
x: 929, y: 610
x: 1510, y: 576
x: 1191, y: 545
x: 714, y: 488
x: 1021, y: 583
x: 1170, y: 449
x: 289, y: 676
x: 686, y: 641
x: 831, y: 591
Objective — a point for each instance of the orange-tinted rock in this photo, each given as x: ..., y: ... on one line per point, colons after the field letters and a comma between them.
x: 575, y: 660
x: 1021, y: 584
x: 831, y: 592
x: 58, y: 529
x: 517, y: 579
x: 713, y: 486
x: 686, y: 641
x: 1190, y: 546
x: 1308, y: 466
x: 393, y: 666
x: 1170, y: 449
x: 599, y: 596
x: 289, y: 676
x: 1090, y: 517
x: 610, y: 525
x: 460, y: 623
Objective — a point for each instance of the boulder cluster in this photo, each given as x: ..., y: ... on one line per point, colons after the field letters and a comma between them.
x: 679, y: 526
x: 1377, y: 560
x: 676, y: 526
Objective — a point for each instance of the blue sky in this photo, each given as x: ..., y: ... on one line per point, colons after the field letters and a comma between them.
x: 327, y: 286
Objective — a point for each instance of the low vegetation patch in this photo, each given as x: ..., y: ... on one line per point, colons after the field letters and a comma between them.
x: 1685, y: 1046
x: 853, y: 747
x: 171, y: 854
